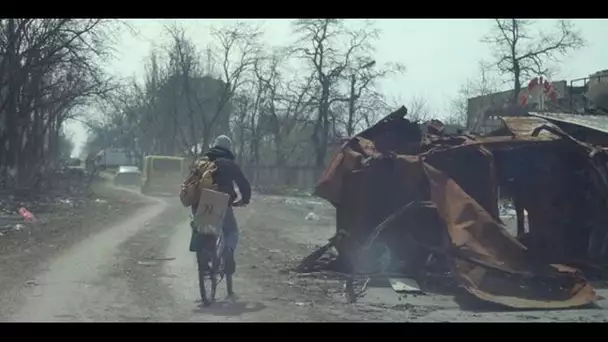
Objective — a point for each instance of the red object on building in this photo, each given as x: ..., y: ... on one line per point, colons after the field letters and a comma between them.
x: 553, y: 96
x: 533, y: 83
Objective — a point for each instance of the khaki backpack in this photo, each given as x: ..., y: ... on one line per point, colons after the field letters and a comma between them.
x: 200, y: 177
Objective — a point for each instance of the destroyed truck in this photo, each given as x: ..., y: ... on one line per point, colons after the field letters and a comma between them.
x: 432, y: 196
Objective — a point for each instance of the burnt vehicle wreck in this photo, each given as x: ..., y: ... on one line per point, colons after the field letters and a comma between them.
x: 433, y: 199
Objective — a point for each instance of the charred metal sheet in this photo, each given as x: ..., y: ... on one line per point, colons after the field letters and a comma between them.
x: 523, y: 126
x: 379, y: 172
x: 511, y: 280
x: 594, y: 122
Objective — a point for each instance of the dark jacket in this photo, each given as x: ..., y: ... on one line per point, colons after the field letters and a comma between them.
x: 228, y: 173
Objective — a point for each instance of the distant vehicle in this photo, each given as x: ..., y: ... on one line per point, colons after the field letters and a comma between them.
x: 163, y: 174
x: 113, y: 158
x: 128, y: 176
x: 74, y: 162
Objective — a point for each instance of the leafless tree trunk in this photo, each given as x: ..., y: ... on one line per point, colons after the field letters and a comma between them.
x: 240, y: 40
x: 481, y: 85
x: 48, y: 68
x: 318, y: 45
x: 362, y: 80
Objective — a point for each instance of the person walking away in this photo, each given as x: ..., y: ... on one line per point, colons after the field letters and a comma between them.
x: 224, y: 176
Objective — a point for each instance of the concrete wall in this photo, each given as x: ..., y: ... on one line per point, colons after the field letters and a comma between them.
x: 483, y: 111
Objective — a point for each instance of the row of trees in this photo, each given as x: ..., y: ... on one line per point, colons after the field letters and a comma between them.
x: 49, y: 69
x: 283, y: 105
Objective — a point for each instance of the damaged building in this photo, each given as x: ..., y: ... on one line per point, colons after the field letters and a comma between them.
x: 431, y: 200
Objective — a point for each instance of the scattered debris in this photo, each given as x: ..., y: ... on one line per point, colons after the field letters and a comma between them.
x: 27, y: 215
x: 404, y: 285
x: 312, y: 217
x: 147, y: 263
x: 432, y: 199
x: 66, y: 201
x: 302, y: 304
x: 31, y: 283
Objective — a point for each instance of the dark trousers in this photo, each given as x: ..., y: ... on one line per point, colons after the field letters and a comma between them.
x: 204, y: 245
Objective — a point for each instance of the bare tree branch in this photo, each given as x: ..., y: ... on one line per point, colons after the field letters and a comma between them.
x: 520, y: 54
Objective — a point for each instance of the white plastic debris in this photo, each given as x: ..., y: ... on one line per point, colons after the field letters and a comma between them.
x: 312, y: 217
x: 65, y: 201
x: 292, y: 201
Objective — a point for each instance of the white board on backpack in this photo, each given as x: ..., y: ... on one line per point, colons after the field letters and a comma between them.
x: 210, y: 212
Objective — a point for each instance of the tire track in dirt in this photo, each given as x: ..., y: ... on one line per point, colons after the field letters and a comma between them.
x: 75, y: 287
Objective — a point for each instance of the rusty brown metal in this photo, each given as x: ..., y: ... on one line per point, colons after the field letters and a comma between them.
x: 382, y: 170
x: 523, y: 126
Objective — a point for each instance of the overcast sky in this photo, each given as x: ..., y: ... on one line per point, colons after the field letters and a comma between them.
x: 439, y: 54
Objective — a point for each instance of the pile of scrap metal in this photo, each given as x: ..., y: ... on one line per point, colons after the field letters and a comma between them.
x: 423, y: 194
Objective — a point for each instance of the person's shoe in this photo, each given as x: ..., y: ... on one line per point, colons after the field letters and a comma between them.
x: 232, y: 297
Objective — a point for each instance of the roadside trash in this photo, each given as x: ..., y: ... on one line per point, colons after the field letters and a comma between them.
x: 147, y: 263
x: 312, y: 217
x: 99, y: 200
x: 27, y: 215
x: 66, y: 201
x: 31, y: 283
x: 292, y: 201
x: 19, y: 226
x: 404, y: 285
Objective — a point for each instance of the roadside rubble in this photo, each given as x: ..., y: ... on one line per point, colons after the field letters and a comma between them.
x: 21, y: 208
x: 423, y: 205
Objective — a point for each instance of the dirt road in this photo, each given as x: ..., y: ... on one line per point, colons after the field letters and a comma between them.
x: 141, y: 270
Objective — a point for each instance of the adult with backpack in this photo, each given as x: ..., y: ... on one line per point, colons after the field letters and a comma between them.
x: 217, y: 170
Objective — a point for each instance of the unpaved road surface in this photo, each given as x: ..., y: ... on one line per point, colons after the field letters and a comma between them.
x: 140, y: 269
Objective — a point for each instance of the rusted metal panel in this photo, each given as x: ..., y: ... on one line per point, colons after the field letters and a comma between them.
x: 367, y: 182
x: 473, y: 230
x: 524, y: 126
x: 594, y: 122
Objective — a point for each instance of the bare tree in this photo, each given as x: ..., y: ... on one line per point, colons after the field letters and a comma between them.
x: 184, y: 63
x: 319, y: 45
x: 418, y: 109
x: 521, y: 53
x: 362, y: 80
x: 484, y: 83
x: 48, y: 69
x: 238, y: 48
